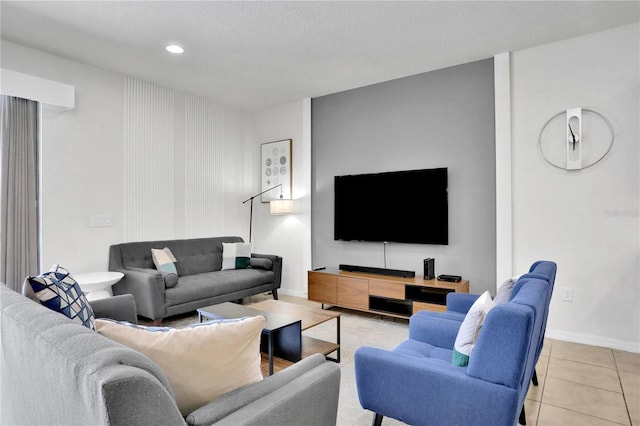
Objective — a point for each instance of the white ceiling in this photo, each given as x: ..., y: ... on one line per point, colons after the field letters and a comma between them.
x: 254, y: 55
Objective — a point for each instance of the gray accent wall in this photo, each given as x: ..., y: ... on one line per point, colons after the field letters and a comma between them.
x: 442, y: 118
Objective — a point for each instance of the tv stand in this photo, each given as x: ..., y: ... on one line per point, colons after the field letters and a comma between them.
x: 380, y: 271
x: 381, y: 294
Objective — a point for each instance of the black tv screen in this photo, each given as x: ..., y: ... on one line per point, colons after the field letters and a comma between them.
x: 405, y: 207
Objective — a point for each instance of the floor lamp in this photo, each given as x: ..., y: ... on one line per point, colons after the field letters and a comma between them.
x: 251, y: 210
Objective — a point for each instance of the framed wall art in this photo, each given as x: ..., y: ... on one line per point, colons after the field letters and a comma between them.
x: 275, y: 169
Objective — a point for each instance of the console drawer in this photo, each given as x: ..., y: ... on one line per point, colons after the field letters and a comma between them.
x: 386, y: 289
x: 353, y: 293
x: 322, y: 287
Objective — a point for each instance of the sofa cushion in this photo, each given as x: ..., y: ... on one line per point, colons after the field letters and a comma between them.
x: 166, y: 262
x: 236, y: 255
x: 424, y: 350
x: 470, y: 328
x: 58, y: 290
x: 212, y: 284
x: 201, y: 362
x: 194, y: 255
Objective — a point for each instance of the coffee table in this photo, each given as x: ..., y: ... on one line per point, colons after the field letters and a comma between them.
x: 282, y: 333
x: 310, y: 317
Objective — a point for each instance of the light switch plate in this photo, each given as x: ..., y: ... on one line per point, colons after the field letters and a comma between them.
x: 100, y: 220
x: 567, y: 294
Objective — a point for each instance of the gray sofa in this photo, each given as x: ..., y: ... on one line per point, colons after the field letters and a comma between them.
x: 201, y: 282
x: 57, y: 372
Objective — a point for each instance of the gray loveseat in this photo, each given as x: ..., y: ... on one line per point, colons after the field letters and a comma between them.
x: 201, y: 282
x: 57, y: 372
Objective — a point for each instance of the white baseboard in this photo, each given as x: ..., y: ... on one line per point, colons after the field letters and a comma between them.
x: 293, y: 293
x: 590, y: 339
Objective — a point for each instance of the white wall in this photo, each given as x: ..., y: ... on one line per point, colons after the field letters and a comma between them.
x: 287, y: 236
x: 587, y: 221
x: 81, y: 156
x: 83, y: 162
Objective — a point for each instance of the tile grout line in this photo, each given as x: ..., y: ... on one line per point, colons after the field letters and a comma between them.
x: 624, y: 397
x: 586, y: 415
x: 546, y: 376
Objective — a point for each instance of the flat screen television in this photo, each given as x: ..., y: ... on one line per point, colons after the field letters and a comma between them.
x: 408, y: 206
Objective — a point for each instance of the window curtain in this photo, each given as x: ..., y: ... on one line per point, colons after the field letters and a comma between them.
x: 18, y: 190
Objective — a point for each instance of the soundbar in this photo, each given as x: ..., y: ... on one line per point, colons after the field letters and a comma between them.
x: 381, y: 271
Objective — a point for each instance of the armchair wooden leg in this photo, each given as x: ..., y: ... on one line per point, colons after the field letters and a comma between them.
x: 377, y: 420
x: 523, y: 419
x: 274, y: 293
x: 534, y: 379
x: 156, y: 322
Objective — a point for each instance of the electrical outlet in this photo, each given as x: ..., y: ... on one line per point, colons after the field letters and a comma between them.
x: 567, y: 294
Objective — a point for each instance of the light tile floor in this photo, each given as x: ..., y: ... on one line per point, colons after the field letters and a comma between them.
x: 577, y: 384
x: 584, y: 385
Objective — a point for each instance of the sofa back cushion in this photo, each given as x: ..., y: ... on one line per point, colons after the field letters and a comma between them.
x: 193, y: 256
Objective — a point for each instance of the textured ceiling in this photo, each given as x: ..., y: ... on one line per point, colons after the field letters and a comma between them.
x: 253, y: 55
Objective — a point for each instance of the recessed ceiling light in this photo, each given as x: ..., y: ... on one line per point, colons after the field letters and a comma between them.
x: 174, y: 48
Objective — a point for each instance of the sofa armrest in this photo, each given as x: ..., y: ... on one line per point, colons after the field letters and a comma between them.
x: 460, y: 302
x: 419, y: 390
x: 276, y: 266
x: 147, y: 287
x: 440, y: 332
x: 502, y: 357
x: 305, y: 393
x: 119, y: 308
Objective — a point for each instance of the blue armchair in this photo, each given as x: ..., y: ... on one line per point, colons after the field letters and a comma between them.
x: 418, y: 384
x: 458, y: 304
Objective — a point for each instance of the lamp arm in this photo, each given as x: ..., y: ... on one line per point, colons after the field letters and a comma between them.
x: 257, y: 195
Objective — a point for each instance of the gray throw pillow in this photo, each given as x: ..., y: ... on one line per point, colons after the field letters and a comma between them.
x: 505, y: 290
x: 261, y: 263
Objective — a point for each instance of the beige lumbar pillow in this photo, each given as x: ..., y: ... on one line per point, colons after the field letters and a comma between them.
x: 201, y: 362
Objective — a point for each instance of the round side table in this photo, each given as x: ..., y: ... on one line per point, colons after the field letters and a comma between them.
x: 97, y: 285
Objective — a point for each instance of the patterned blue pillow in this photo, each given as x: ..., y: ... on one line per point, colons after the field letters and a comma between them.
x: 57, y: 290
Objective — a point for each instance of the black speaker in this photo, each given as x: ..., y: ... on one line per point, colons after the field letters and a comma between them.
x: 429, y: 268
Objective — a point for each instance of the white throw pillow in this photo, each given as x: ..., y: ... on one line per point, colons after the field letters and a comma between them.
x: 470, y: 329
x: 201, y: 362
x: 236, y: 255
x: 166, y: 263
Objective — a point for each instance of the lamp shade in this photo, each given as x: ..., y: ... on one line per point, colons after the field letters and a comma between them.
x: 281, y: 206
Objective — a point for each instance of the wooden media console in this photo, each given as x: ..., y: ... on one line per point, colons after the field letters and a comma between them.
x: 388, y: 295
